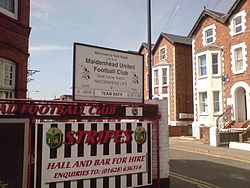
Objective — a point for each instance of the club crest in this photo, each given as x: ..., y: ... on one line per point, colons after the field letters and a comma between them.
x: 134, y: 111
x: 54, y: 137
x: 140, y: 135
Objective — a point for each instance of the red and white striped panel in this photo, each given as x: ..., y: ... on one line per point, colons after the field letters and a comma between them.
x: 43, y: 153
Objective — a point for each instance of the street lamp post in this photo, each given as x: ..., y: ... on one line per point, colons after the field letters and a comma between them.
x: 149, y: 52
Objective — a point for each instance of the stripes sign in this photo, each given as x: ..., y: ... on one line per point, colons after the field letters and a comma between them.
x: 119, y: 160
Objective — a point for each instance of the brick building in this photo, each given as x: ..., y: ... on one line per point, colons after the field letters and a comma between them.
x: 14, y: 41
x: 144, y: 51
x: 171, y: 76
x: 221, y: 69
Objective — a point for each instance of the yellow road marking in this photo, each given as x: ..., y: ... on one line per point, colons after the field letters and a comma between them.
x: 199, y: 183
x: 210, y: 154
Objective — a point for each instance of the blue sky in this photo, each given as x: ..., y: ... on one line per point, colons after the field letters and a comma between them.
x: 117, y: 24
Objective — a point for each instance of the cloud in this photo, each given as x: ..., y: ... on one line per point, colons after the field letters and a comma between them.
x: 48, y: 47
x: 41, y: 9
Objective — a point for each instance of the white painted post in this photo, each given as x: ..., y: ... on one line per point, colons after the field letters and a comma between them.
x: 214, y: 136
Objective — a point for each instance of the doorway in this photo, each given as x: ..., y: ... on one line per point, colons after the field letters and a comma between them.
x: 240, y: 105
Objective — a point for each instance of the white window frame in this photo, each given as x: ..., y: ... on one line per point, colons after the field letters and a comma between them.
x: 160, y: 80
x: 216, y: 101
x: 164, y: 77
x: 244, y: 58
x: 204, y: 34
x: 7, y: 90
x: 213, y: 64
x: 203, y: 108
x: 163, y: 55
x: 9, y: 13
x: 200, y: 67
x: 156, y: 78
x: 242, y: 14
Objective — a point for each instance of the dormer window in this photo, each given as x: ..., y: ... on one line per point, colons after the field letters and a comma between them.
x: 238, y: 23
x: 209, y: 35
x: 9, y: 8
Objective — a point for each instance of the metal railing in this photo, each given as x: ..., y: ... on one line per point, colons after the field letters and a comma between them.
x: 246, y: 131
x: 225, y: 118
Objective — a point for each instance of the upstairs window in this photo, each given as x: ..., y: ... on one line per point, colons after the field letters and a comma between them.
x: 209, y: 35
x: 216, y: 100
x: 238, y: 23
x: 9, y: 7
x: 215, y: 65
x: 156, y: 77
x: 203, y: 102
x: 7, y: 78
x: 164, y: 76
x: 202, y: 65
x: 238, y: 58
x: 162, y: 54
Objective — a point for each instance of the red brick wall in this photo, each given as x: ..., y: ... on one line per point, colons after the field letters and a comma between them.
x: 184, y: 79
x: 179, y: 56
x: 180, y: 130
x: 164, y: 42
x: 14, y: 42
x: 144, y: 51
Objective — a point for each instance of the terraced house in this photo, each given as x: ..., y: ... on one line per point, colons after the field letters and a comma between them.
x: 221, y: 71
x: 172, y: 79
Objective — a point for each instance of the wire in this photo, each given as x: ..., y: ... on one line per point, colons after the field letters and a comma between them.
x: 173, y: 14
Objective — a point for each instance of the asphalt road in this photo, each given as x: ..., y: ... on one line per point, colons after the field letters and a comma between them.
x: 190, y: 170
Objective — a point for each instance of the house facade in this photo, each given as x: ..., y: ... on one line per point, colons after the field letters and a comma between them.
x: 171, y: 76
x: 144, y: 51
x: 14, y: 41
x: 221, y: 72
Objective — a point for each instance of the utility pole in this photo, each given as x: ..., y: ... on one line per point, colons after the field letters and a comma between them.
x: 149, y: 52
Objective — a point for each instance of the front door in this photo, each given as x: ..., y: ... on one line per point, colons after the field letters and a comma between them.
x: 240, y: 105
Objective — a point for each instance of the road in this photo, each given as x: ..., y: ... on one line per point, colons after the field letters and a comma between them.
x: 190, y: 169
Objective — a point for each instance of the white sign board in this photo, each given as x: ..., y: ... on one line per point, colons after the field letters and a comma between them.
x: 102, y: 74
x: 93, y: 167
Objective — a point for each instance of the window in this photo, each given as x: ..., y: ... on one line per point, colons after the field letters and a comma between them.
x: 156, y: 77
x: 203, y: 102
x: 202, y: 65
x: 215, y: 65
x: 209, y: 36
x: 238, y: 59
x: 9, y: 7
x: 238, y: 23
x: 164, y: 76
x: 162, y: 53
x: 7, y: 78
x: 216, y: 100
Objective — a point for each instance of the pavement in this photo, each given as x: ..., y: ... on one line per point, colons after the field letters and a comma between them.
x: 193, y: 145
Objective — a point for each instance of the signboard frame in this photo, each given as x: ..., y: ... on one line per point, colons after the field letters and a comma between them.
x: 120, y: 81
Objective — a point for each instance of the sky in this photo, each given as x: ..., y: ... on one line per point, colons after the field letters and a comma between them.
x: 116, y: 24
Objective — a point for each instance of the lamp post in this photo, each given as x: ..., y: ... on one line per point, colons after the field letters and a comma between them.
x: 149, y: 51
